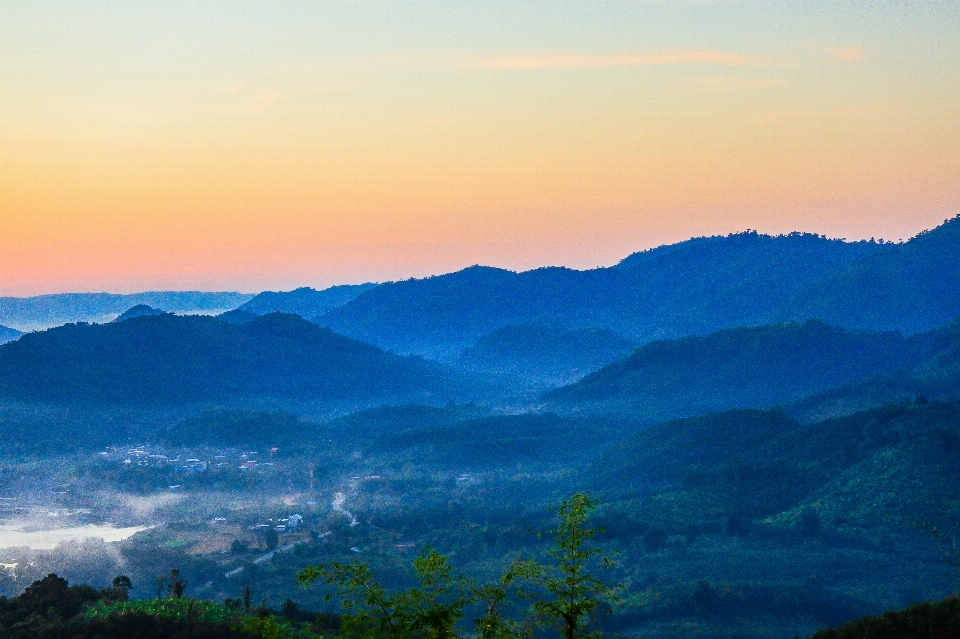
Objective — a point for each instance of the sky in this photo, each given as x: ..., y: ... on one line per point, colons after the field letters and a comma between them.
x: 269, y: 145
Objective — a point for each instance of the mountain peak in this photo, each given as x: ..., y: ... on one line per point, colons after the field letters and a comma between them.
x: 140, y: 310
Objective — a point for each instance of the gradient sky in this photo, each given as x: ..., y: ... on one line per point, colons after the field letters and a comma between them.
x: 262, y: 145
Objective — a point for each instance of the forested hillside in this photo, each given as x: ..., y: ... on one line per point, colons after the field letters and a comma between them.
x: 752, y: 367
x: 170, y: 359
x: 908, y: 287
x: 696, y: 286
x: 306, y: 302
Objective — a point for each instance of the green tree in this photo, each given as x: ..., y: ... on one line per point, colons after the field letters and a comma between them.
x: 176, y: 584
x: 494, y: 623
x: 572, y: 592
x: 271, y: 539
x: 433, y: 609
x: 122, y: 586
x: 430, y: 610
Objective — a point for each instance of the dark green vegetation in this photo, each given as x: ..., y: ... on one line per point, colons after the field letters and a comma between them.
x: 565, y: 591
x: 885, y: 471
x: 44, y: 311
x: 8, y: 334
x: 237, y: 427
x: 935, y: 374
x: 934, y: 620
x: 49, y: 608
x: 167, y: 359
x: 760, y: 472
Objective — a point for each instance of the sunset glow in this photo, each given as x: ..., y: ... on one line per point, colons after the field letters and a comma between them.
x: 247, y: 146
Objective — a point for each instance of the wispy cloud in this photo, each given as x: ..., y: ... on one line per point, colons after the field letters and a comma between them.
x: 586, y: 61
x: 842, y: 54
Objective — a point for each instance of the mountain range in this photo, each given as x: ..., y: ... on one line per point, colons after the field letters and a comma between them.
x: 306, y: 302
x: 47, y: 311
x: 164, y: 359
x: 746, y: 367
x: 769, y: 423
x: 694, y: 287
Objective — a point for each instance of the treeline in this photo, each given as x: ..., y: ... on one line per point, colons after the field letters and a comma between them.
x: 560, y: 593
x: 50, y: 608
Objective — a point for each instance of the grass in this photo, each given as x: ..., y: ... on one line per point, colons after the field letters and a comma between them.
x: 200, y: 611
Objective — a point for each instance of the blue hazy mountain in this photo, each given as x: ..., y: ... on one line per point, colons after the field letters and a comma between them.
x: 140, y: 310
x: 747, y: 367
x: 544, y: 353
x: 935, y: 375
x: 8, y: 334
x: 46, y: 311
x: 169, y: 359
x: 308, y: 303
x: 910, y: 287
x: 694, y: 287
x: 697, y: 286
x: 237, y: 316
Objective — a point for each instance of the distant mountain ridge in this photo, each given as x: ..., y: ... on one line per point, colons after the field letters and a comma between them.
x: 934, y: 374
x: 46, y: 311
x: 169, y: 359
x: 306, y: 302
x: 140, y: 310
x: 699, y: 285
x: 745, y: 367
x: 909, y: 287
x: 694, y: 287
x: 8, y: 334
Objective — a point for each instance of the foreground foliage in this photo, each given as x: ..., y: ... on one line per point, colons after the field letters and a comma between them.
x: 51, y: 609
x: 931, y: 620
x: 564, y: 591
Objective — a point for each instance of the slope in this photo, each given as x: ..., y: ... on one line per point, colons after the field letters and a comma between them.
x: 306, y: 302
x: 170, y: 359
x: 908, y: 287
x: 935, y: 375
x: 544, y: 354
x: 750, y: 367
x: 879, y: 472
x: 696, y: 286
x: 8, y: 334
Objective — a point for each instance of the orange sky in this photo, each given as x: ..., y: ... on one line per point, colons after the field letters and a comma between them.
x: 251, y: 146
